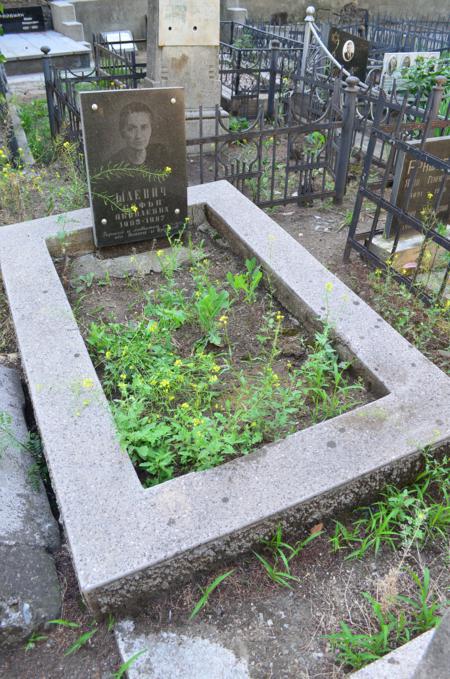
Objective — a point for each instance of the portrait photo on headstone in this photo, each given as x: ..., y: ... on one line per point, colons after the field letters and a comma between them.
x: 351, y: 51
x: 135, y: 152
x: 395, y: 63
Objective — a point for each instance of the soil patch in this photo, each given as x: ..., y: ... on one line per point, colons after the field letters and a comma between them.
x: 251, y: 375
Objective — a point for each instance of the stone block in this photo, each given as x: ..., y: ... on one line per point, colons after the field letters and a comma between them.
x: 435, y: 662
x: 177, y: 656
x: 25, y: 515
x: 73, y: 29
x: 29, y: 592
x: 62, y: 11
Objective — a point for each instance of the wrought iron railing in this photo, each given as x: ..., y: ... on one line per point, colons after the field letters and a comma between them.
x: 408, y: 235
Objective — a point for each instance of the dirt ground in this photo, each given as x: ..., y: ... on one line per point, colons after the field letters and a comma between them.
x: 280, y: 632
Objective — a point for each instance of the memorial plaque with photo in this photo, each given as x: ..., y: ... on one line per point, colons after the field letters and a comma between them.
x: 135, y: 150
x: 427, y: 180
x: 395, y: 63
x: 350, y: 51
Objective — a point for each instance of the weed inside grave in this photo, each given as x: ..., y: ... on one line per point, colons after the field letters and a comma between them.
x: 182, y: 395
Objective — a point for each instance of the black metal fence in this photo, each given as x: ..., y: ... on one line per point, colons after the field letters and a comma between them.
x: 251, y: 77
x: 389, y: 34
x: 407, y: 233
x: 119, y: 58
x: 276, y: 163
x: 247, y: 36
x: 63, y: 87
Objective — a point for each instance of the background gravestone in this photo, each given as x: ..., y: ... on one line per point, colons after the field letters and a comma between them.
x: 394, y: 64
x: 427, y: 179
x: 350, y: 51
x: 135, y: 153
x: 183, y: 50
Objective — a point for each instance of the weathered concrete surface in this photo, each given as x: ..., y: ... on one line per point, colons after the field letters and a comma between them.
x: 400, y: 664
x: 141, y: 263
x: 29, y: 590
x: 177, y: 656
x: 435, y: 662
x: 25, y: 515
x: 127, y: 541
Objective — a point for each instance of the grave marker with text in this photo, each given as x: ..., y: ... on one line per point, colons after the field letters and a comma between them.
x: 427, y: 180
x: 135, y: 152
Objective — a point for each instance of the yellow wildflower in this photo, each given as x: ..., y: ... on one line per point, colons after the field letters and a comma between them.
x: 167, y: 169
x: 213, y: 379
x: 165, y: 384
x: 279, y: 317
x: 430, y: 196
x: 123, y: 377
x: 159, y: 253
x: 108, y: 355
x: 178, y: 362
x: 328, y: 286
x: 185, y: 406
x: 216, y: 368
x: 87, y: 383
x: 134, y: 208
x: 153, y: 327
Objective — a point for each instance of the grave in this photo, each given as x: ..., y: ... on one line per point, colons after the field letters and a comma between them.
x: 350, y: 51
x: 183, y: 50
x: 395, y: 62
x: 136, y: 163
x: 427, y: 179
x: 129, y: 542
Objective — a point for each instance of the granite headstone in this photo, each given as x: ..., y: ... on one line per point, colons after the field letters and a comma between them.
x: 135, y: 152
x: 350, y: 51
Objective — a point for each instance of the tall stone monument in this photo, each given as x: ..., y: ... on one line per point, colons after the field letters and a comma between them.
x: 183, y: 50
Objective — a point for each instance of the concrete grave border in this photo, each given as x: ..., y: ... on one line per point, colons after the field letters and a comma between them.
x: 128, y: 541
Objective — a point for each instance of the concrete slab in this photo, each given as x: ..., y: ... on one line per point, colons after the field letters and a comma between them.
x: 400, y: 664
x: 435, y: 662
x: 29, y: 590
x: 141, y: 263
x: 177, y: 656
x: 127, y: 541
x: 18, y: 46
x: 25, y: 516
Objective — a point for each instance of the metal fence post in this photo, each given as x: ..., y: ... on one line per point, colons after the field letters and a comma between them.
x: 309, y: 19
x: 274, y: 45
x: 47, y: 66
x: 133, y: 69
x: 437, y: 94
x: 346, y: 140
x: 238, y: 72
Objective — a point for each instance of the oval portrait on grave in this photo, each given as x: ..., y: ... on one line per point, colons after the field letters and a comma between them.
x: 406, y: 63
x: 348, y: 51
x: 392, y: 66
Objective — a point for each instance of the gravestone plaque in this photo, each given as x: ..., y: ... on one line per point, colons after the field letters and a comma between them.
x: 427, y: 180
x: 350, y: 51
x: 22, y: 19
x: 135, y: 150
x: 394, y: 64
